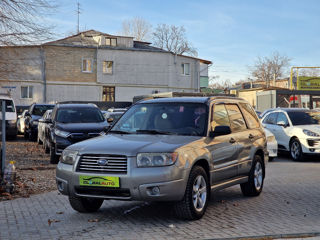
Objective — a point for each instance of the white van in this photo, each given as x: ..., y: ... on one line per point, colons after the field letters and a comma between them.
x: 11, y: 116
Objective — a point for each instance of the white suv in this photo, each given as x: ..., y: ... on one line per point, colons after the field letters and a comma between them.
x: 296, y: 130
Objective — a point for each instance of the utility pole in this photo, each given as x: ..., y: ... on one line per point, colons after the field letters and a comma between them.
x: 78, y: 14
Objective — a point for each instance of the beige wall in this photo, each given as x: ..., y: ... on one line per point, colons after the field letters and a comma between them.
x: 65, y: 64
x: 250, y: 96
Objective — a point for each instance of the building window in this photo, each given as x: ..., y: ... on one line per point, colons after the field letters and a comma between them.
x: 107, y: 67
x: 111, y: 42
x: 108, y: 94
x: 86, y: 65
x: 27, y: 92
x: 185, y: 68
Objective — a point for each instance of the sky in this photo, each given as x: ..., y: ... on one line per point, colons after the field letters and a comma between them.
x: 230, y: 33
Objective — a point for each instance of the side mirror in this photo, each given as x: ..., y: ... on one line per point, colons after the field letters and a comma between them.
x: 220, y: 131
x: 110, y: 120
x: 106, y: 129
x: 282, y: 124
x: 27, y: 114
x: 19, y: 116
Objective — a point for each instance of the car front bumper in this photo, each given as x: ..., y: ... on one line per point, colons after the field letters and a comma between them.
x: 137, y: 184
x: 310, y: 145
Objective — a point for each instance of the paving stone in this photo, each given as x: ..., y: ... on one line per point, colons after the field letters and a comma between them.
x: 289, y: 205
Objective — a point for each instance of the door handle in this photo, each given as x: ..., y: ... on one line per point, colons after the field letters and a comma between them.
x: 232, y: 140
x: 251, y: 136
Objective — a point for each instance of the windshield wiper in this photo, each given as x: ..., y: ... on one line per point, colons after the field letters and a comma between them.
x: 153, y: 131
x: 119, y: 132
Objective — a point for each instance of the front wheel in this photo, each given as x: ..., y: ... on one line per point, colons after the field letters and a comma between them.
x: 85, y: 205
x: 196, y: 197
x: 296, y: 150
x: 256, y: 177
x: 54, y: 158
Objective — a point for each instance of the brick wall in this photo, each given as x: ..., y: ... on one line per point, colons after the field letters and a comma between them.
x: 64, y: 64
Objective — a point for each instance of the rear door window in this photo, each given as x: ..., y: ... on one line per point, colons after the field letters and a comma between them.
x: 236, y: 119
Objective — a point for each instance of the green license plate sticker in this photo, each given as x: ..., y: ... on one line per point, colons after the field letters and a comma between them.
x: 99, y: 181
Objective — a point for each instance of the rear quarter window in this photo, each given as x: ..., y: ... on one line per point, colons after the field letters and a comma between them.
x: 250, y: 116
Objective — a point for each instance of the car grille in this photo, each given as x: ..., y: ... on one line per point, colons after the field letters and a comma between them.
x: 115, y: 164
x: 76, y: 137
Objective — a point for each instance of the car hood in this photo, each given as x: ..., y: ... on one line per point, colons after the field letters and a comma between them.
x: 82, y: 127
x: 313, y: 127
x: 132, y: 144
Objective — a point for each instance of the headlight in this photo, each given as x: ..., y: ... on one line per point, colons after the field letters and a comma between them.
x: 310, y: 133
x: 271, y: 138
x: 69, y: 156
x: 35, y: 123
x: 156, y: 159
x: 61, y: 133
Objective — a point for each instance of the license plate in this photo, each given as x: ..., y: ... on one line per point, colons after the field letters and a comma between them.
x: 95, y: 181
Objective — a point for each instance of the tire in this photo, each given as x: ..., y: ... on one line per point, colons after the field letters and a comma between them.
x: 85, y: 205
x: 296, y: 150
x: 46, y: 147
x: 54, y: 158
x: 38, y: 140
x: 256, y: 177
x: 194, y: 203
x: 26, y: 135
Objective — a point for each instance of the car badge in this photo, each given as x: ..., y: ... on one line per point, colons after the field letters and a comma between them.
x: 103, y: 162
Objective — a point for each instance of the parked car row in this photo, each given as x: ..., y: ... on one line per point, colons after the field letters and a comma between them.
x: 58, y: 126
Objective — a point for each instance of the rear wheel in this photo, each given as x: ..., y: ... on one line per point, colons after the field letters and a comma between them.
x: 85, y: 205
x: 256, y: 177
x: 195, y: 200
x: 296, y: 150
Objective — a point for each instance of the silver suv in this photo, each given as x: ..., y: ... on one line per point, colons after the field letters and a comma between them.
x: 169, y: 149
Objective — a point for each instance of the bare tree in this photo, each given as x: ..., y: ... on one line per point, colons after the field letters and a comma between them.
x: 173, y: 39
x: 138, y: 28
x: 21, y: 21
x: 216, y: 83
x: 269, y: 68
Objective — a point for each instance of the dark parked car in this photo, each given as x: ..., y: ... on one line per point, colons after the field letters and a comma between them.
x: 32, y: 117
x: 43, y: 130
x: 73, y: 123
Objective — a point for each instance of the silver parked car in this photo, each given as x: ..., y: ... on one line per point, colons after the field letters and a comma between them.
x: 170, y: 149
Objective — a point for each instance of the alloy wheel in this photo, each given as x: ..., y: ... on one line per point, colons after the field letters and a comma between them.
x: 258, y: 176
x: 295, y: 150
x: 199, y: 193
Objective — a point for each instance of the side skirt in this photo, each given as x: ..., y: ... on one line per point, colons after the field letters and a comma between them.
x: 229, y: 183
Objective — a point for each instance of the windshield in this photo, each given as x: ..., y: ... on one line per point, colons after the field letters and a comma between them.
x: 79, y: 115
x: 39, y: 110
x: 304, y: 118
x: 164, y: 118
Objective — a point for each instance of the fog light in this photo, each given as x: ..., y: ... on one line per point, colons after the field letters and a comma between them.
x: 60, y: 186
x: 155, y: 191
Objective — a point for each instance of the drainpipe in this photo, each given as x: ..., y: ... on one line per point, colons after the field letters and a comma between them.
x: 43, y: 74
